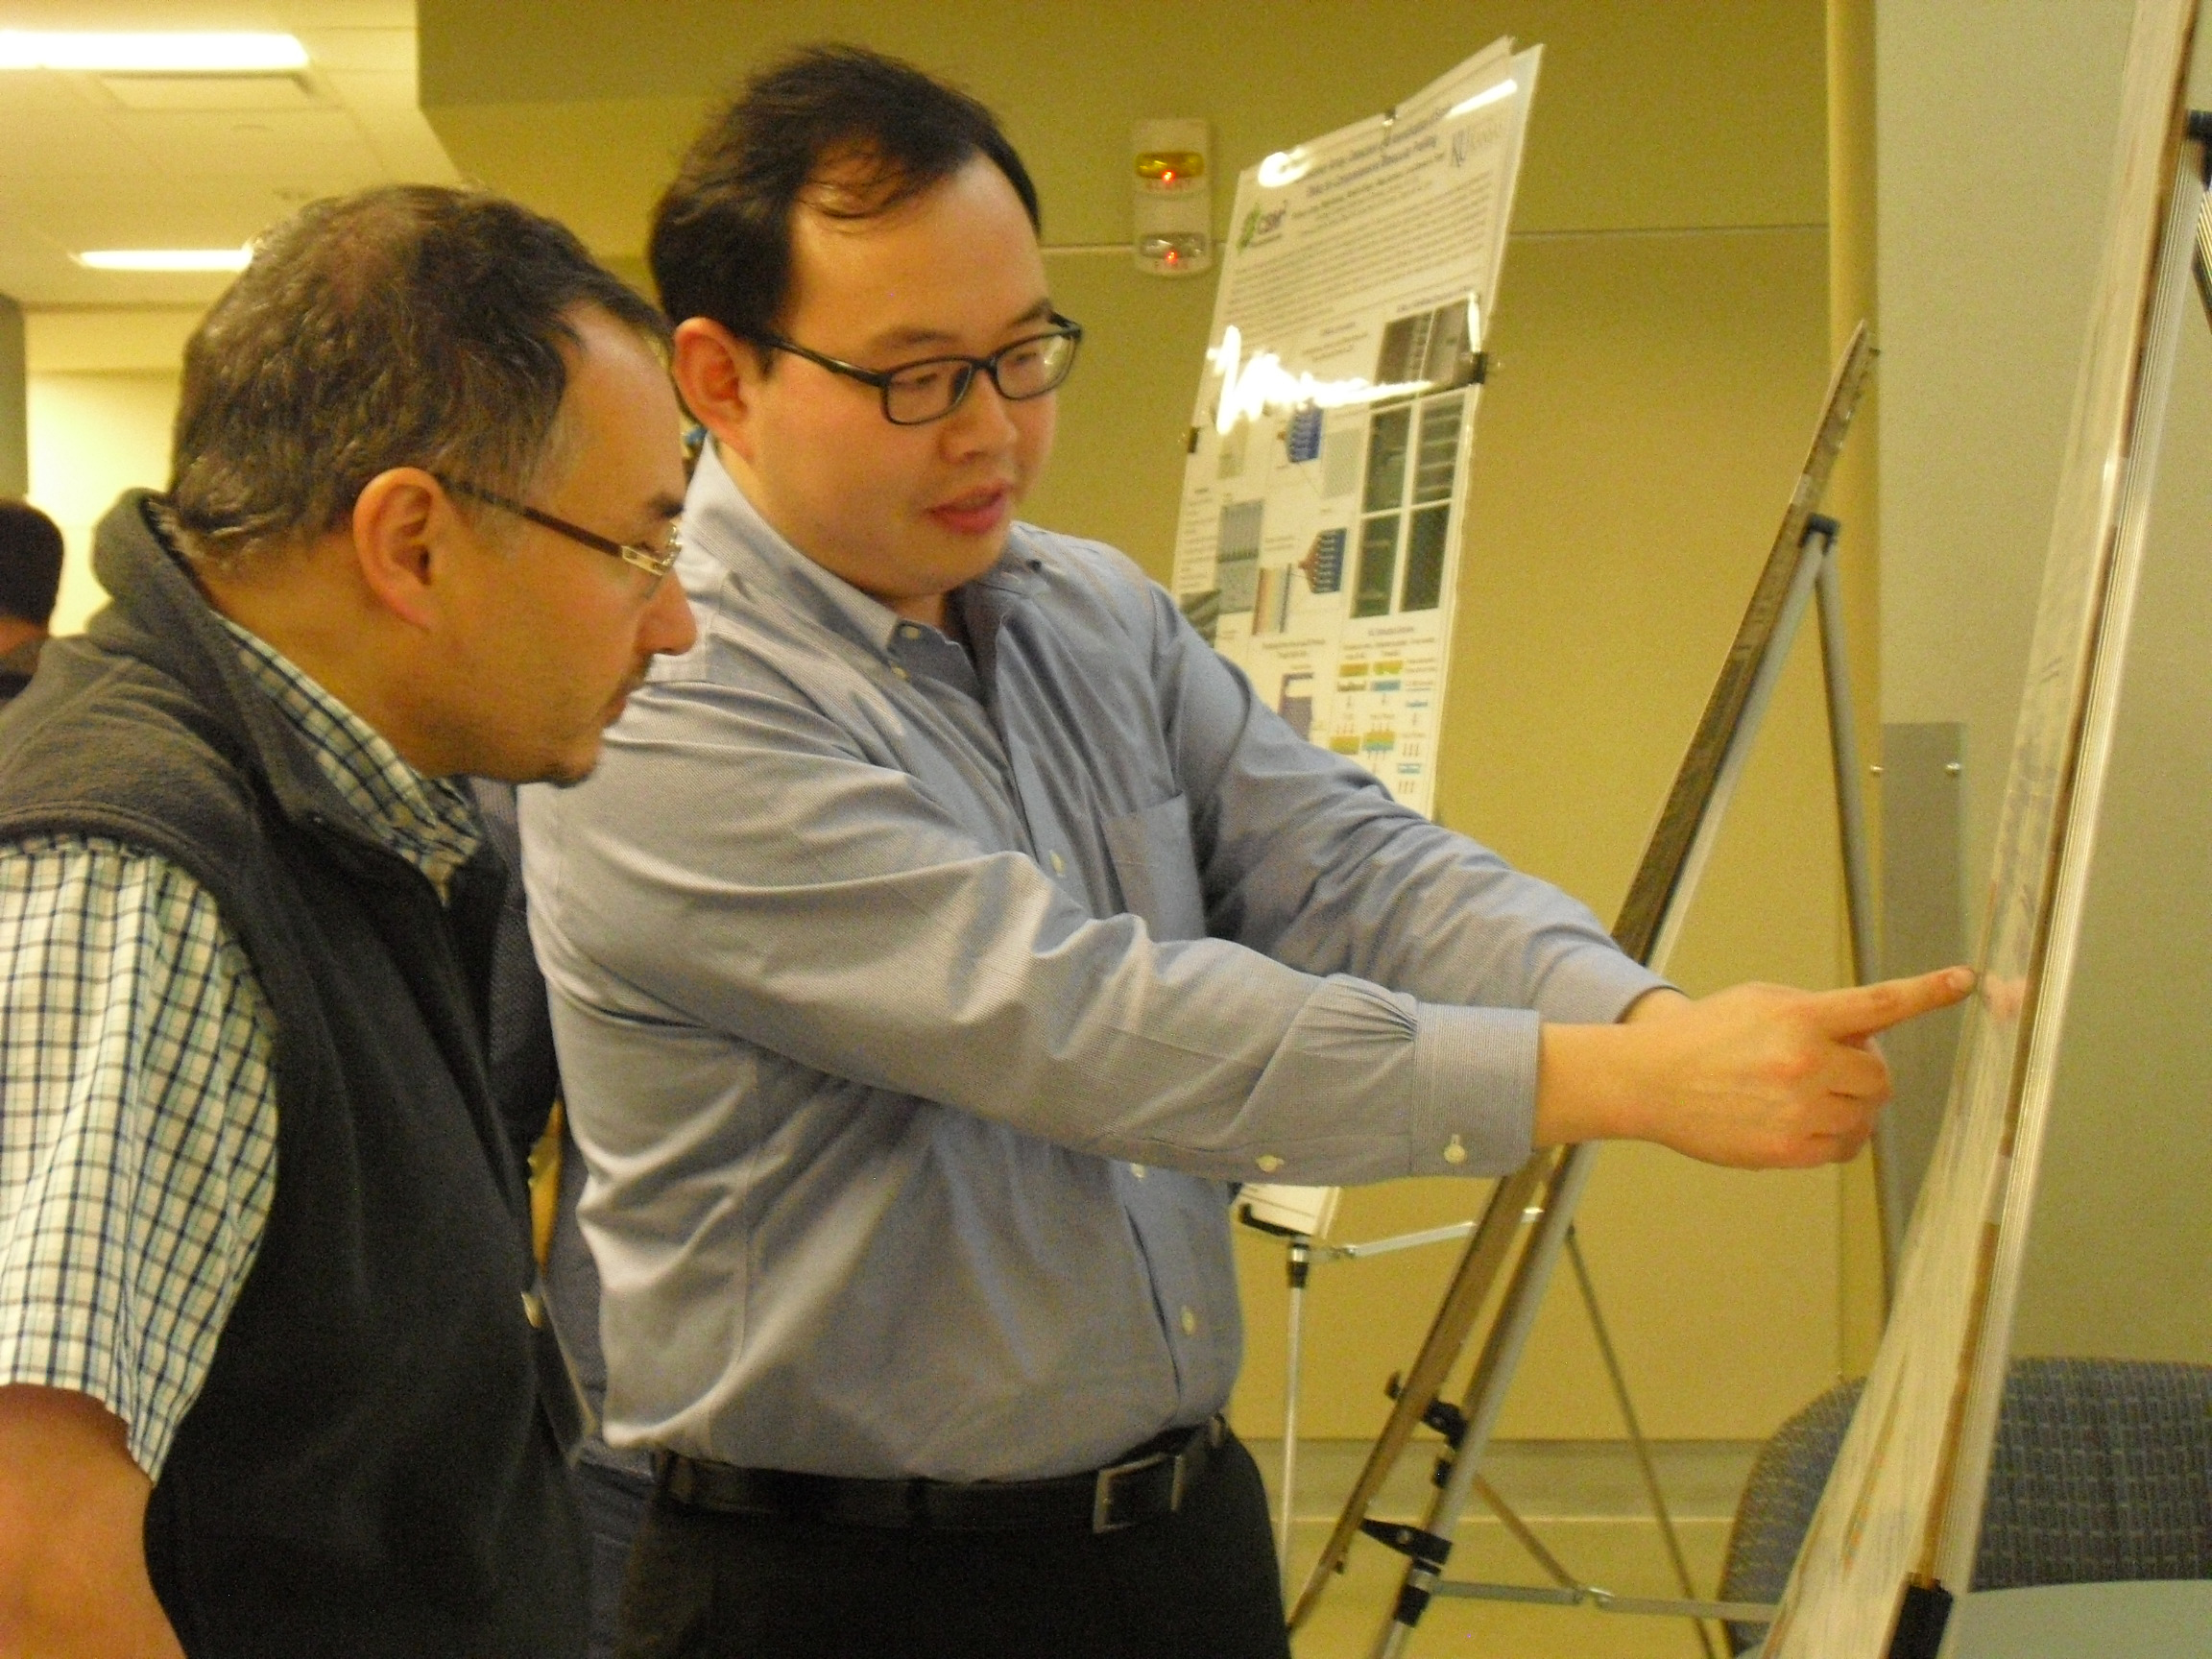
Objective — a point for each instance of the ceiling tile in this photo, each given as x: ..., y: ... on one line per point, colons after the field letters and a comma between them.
x: 321, y: 146
x: 141, y: 14
x: 200, y: 130
x: 304, y: 14
x: 24, y: 91
x: 79, y: 169
x: 36, y: 269
x: 376, y: 92
x: 211, y: 92
x: 407, y: 147
x: 352, y: 51
x: 151, y: 212
x: 67, y: 143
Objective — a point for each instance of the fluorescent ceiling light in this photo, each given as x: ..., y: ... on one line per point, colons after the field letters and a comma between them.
x: 1487, y: 96
x: 165, y: 258
x: 202, y: 51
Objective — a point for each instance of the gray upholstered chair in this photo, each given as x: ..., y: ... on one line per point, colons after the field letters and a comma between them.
x: 2102, y: 1471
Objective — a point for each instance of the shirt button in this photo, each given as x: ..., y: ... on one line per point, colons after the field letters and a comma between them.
x: 1138, y: 1170
x: 1059, y: 864
x: 1269, y: 1163
x: 1190, y: 1323
x: 908, y: 631
x: 900, y: 672
x: 1454, y: 1152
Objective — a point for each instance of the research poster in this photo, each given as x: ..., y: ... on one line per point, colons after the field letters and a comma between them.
x: 1325, y: 488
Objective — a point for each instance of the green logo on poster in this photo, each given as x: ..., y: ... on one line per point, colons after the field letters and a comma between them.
x: 1258, y: 224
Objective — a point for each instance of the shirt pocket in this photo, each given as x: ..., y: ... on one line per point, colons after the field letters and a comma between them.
x: 1157, y: 866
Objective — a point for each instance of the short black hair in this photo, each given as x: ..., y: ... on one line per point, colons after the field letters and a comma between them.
x: 721, y: 242
x: 405, y: 325
x: 30, y: 563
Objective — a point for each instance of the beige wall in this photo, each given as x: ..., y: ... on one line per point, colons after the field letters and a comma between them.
x: 102, y: 395
x: 1988, y: 255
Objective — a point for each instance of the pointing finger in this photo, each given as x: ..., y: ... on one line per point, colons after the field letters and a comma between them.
x: 1861, y: 1010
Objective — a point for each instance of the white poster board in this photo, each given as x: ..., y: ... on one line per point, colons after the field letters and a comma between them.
x: 1903, y: 1503
x: 1325, y: 491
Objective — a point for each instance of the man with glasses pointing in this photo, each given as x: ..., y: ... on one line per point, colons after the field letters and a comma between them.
x: 951, y: 926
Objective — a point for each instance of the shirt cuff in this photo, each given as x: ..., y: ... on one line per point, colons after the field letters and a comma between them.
x: 1477, y: 1071
x: 1601, y: 989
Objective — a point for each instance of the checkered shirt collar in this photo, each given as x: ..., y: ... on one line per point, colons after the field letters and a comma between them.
x: 427, y: 821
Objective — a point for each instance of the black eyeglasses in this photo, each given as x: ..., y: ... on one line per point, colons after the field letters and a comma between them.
x: 654, y: 561
x: 916, y: 394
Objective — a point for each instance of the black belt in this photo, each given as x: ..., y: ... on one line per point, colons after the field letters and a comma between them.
x: 1153, y: 1478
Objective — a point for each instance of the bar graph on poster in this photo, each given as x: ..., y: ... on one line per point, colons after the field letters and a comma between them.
x: 1325, y: 489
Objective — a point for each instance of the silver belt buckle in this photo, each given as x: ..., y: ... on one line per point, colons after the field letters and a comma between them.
x: 1102, y: 1494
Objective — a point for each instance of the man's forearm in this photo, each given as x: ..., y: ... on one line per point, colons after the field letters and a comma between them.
x: 73, y: 1580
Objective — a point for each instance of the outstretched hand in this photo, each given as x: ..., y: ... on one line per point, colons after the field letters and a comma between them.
x: 1758, y: 1076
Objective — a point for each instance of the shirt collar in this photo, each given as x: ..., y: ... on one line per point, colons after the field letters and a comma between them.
x: 719, y: 519
x: 427, y: 821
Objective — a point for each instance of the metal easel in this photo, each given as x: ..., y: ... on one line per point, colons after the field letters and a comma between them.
x: 1301, y: 1251
x: 1539, y: 1198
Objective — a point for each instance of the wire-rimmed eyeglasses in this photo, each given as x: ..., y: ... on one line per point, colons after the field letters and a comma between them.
x: 916, y: 394
x: 654, y: 561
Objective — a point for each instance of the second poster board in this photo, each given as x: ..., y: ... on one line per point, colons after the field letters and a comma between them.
x: 1325, y: 489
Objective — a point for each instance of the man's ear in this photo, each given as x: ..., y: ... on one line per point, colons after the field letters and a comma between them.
x: 716, y: 373
x: 398, y: 519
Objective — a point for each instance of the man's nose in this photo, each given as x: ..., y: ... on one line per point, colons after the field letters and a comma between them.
x: 982, y: 421
x: 667, y: 626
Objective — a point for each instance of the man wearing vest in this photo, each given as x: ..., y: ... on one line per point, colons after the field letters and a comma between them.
x: 952, y: 925
x: 271, y: 1373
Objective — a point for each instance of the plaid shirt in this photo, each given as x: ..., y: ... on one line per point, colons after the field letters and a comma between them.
x: 138, y: 1135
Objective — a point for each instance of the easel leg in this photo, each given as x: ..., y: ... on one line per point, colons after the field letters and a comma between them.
x: 1296, y: 1268
x: 1478, y: 1268
x: 1468, y: 1429
x: 1642, y: 1447
x: 2201, y: 131
x: 1820, y: 536
x: 1843, y: 747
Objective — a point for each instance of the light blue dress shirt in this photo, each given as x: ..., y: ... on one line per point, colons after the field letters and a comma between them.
x: 915, y: 1002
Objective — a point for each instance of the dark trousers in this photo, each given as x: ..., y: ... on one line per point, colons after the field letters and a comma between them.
x: 614, y: 1503
x: 1200, y: 1584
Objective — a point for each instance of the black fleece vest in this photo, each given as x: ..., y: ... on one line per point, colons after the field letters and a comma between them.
x: 367, y: 1471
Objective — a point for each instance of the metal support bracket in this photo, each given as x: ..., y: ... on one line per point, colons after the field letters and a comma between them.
x: 1428, y: 1548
